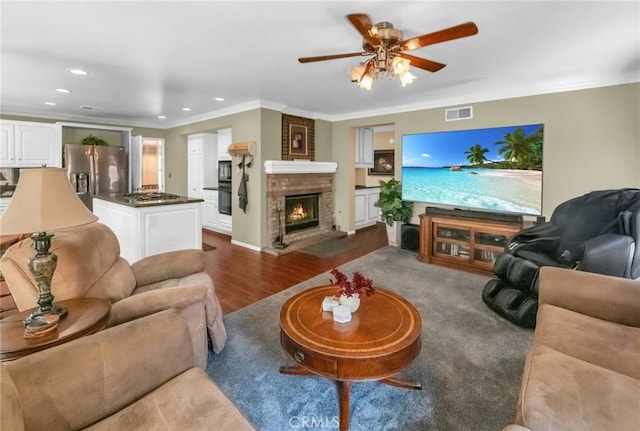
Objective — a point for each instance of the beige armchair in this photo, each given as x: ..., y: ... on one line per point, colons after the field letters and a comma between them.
x: 140, y: 375
x: 90, y: 265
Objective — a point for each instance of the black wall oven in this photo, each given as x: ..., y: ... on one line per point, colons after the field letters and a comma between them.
x: 224, y: 187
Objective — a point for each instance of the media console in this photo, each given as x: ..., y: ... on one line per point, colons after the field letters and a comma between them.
x: 465, y: 239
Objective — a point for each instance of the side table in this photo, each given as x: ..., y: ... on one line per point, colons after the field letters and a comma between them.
x: 86, y: 316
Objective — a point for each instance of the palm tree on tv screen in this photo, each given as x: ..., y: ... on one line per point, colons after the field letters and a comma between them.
x: 517, y: 147
x: 476, y: 154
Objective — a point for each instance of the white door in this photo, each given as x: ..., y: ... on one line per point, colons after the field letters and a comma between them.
x: 135, y: 163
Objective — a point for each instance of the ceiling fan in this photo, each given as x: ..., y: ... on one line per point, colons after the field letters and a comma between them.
x: 387, y: 47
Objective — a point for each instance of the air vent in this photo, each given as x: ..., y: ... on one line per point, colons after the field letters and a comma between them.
x: 454, y: 114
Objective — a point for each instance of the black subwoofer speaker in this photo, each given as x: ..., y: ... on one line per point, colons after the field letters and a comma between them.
x: 410, y: 237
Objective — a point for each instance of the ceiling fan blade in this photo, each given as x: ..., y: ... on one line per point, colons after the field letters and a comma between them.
x: 331, y: 57
x: 455, y: 32
x: 422, y: 63
x: 362, y: 23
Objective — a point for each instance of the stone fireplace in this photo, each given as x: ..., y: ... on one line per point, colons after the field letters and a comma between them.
x: 299, y: 200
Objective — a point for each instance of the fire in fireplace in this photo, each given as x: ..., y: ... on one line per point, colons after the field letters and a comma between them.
x: 301, y: 212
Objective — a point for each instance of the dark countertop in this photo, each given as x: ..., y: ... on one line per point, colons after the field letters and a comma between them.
x: 137, y: 203
x: 367, y: 187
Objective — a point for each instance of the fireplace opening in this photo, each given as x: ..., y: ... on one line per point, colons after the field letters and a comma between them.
x: 301, y: 212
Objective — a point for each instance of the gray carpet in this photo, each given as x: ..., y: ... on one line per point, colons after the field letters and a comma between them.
x: 470, y: 365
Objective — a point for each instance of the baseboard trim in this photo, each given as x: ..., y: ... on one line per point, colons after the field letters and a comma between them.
x: 245, y: 245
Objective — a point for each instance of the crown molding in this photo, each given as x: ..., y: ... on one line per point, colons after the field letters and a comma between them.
x: 462, y: 96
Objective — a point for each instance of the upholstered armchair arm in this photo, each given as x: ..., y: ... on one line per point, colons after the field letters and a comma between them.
x: 190, y: 303
x: 74, y: 385
x: 515, y: 428
x: 601, y: 296
x: 164, y: 266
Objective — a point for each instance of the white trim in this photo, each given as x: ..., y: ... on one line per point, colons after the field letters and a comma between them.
x: 466, y: 97
x: 299, y: 167
x: 245, y: 245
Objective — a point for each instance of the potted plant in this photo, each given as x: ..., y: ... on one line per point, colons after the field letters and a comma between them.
x: 93, y: 140
x: 393, y: 210
x: 350, y: 291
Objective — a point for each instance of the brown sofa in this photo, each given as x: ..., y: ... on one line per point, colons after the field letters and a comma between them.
x: 141, y: 375
x: 583, y: 370
x: 90, y: 265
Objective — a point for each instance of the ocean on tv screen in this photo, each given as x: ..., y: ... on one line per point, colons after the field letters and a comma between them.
x: 488, y: 189
x: 493, y: 169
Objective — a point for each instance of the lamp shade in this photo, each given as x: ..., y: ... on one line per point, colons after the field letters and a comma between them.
x: 44, y: 200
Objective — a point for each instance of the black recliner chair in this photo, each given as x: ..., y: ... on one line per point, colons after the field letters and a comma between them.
x: 598, y: 232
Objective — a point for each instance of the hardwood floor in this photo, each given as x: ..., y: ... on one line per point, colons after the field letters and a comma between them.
x: 242, y: 276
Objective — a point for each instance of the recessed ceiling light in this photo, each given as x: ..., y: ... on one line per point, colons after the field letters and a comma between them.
x: 186, y: 109
x: 77, y: 71
x: 89, y: 107
x: 63, y: 90
x: 219, y: 99
x: 50, y: 103
x: 162, y: 117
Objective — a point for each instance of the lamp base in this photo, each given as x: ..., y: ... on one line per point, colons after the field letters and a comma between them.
x: 35, y: 317
x: 42, y: 266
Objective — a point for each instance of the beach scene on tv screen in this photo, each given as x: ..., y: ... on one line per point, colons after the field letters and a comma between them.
x: 494, y: 169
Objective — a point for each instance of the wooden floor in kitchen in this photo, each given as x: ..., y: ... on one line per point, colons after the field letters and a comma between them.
x: 242, y: 276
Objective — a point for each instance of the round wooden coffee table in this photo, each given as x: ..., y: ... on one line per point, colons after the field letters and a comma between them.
x: 85, y: 316
x: 382, y: 339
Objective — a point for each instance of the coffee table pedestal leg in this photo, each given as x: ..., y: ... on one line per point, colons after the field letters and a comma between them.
x: 344, y: 387
x: 343, y: 391
x: 401, y: 383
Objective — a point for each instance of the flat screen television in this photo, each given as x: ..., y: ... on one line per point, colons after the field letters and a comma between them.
x: 495, y: 169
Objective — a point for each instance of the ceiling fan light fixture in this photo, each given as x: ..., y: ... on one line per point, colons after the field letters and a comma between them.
x: 366, y: 82
x: 386, y: 47
x: 400, y: 65
x: 357, y: 72
x: 406, y: 78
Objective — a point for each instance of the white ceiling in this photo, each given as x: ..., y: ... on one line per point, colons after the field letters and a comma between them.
x: 153, y: 58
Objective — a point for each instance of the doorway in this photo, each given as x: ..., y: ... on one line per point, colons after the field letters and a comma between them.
x: 147, y: 164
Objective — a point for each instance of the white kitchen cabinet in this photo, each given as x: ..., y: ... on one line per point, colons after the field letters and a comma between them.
x: 30, y: 144
x: 211, y: 218
x: 366, y: 212
x: 224, y: 140
x: 195, y: 176
x: 145, y: 231
x: 225, y: 223
x: 364, y: 148
x: 210, y: 209
x: 201, y: 163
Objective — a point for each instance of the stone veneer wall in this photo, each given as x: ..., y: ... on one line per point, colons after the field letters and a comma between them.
x: 281, y: 185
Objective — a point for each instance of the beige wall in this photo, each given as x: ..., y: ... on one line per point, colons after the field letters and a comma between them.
x: 591, y: 142
x: 245, y: 126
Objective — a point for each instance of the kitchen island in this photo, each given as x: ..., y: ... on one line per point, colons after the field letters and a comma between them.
x: 151, y: 223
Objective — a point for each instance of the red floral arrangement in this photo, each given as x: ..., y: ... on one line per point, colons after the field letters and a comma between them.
x: 359, y: 284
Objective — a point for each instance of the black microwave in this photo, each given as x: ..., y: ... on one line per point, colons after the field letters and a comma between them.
x: 224, y: 170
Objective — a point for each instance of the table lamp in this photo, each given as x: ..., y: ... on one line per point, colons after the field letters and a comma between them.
x: 43, y: 201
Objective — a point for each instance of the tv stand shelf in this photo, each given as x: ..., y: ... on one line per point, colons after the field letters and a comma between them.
x: 471, y: 244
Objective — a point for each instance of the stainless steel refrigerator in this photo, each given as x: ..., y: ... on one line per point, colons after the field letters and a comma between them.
x: 96, y: 170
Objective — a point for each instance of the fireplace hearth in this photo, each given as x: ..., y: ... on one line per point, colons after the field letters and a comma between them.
x: 301, y: 212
